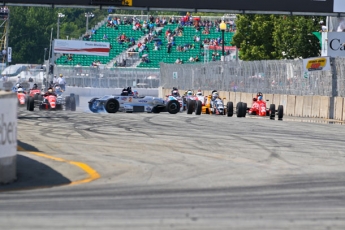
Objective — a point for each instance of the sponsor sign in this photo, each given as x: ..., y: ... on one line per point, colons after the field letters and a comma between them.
x: 230, y: 48
x: 333, y: 44
x: 8, y: 126
x: 81, y: 47
x: 175, y: 76
x: 316, y: 64
x: 339, y: 6
x: 9, y: 54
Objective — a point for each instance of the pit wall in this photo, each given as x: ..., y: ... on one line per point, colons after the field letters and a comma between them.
x: 8, y: 136
x: 298, y: 106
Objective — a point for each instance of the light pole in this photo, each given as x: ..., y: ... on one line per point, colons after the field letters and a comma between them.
x: 60, y: 15
x: 222, y: 27
x: 88, y: 15
x: 44, y: 56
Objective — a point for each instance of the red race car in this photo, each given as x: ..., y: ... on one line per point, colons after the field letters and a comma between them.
x: 259, y: 108
x: 21, y: 97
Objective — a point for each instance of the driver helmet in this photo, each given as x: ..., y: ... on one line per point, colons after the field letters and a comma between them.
x: 35, y: 86
x: 259, y: 95
x: 50, y: 90
x: 20, y: 90
x: 215, y: 94
x: 199, y: 93
x: 175, y: 93
x: 135, y: 93
x: 57, y: 87
x: 189, y: 93
x: 17, y: 85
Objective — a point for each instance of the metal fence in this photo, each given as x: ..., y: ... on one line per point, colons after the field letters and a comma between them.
x: 101, y: 77
x: 277, y: 77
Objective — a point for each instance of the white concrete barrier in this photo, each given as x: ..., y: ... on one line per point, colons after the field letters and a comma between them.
x: 106, y: 91
x: 290, y: 105
x: 315, y: 109
x: 283, y: 102
x: 324, y: 106
x: 307, y: 105
x: 8, y: 136
x: 299, y: 106
x: 338, y: 107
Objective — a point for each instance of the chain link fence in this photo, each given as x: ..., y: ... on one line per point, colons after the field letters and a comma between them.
x: 274, y: 77
x: 101, y: 77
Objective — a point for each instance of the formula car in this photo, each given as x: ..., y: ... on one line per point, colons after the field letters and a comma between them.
x: 259, y: 108
x: 175, y: 96
x: 51, y: 102
x: 21, y: 97
x: 129, y: 104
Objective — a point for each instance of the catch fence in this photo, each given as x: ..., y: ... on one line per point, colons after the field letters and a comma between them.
x: 274, y: 77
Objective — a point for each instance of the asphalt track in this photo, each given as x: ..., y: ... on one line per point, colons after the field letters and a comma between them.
x: 163, y: 171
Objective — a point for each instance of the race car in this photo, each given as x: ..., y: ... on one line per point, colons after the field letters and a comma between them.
x: 259, y: 108
x: 175, y: 96
x: 49, y: 101
x: 21, y: 97
x: 131, y: 103
x: 213, y: 104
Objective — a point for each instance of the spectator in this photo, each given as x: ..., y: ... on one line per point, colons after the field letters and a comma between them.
x: 62, y: 82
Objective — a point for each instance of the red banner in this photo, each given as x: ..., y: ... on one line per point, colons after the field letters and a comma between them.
x: 230, y: 48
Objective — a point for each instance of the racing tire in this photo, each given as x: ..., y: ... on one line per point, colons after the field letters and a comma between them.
x: 272, y: 111
x: 190, y: 106
x: 198, y: 107
x: 155, y: 110
x: 239, y: 109
x: 173, y: 107
x: 31, y: 104
x: 27, y: 103
x: 244, y: 109
x: 67, y: 102
x: 91, y: 105
x: 36, y: 96
x: 230, y: 109
x: 112, y: 105
x: 280, y: 112
x: 73, y: 105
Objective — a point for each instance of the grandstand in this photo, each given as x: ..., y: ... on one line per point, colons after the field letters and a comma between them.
x: 183, y: 33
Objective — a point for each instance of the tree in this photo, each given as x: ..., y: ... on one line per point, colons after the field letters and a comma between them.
x: 254, y: 37
x: 266, y: 37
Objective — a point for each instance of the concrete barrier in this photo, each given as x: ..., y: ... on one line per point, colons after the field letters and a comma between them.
x: 307, y: 105
x: 226, y: 95
x: 324, y: 106
x: 290, y: 105
x: 8, y: 136
x: 299, y: 106
x: 89, y: 92
x: 268, y: 97
x: 276, y: 100
x: 338, y: 107
x: 232, y: 96
x: 283, y: 102
x: 315, y: 109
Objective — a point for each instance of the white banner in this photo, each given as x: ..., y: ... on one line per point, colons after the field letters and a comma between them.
x: 8, y: 125
x: 333, y: 44
x: 9, y: 54
x: 316, y: 64
x: 81, y: 47
x: 339, y: 6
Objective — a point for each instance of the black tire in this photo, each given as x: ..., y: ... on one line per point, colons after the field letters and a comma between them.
x: 67, y: 102
x: 91, y: 105
x: 198, y: 107
x: 73, y: 105
x: 155, y: 110
x: 36, y: 96
x: 244, y: 109
x: 31, y: 104
x: 190, y: 106
x: 27, y: 103
x: 272, y: 111
x: 280, y: 112
x: 230, y: 109
x: 239, y: 109
x: 112, y: 105
x: 173, y: 107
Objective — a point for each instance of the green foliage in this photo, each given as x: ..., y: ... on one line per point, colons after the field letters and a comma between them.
x: 265, y: 37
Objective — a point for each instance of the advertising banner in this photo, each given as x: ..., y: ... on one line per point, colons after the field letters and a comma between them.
x: 9, y: 54
x: 333, y: 44
x: 339, y: 6
x: 81, y: 47
x: 8, y: 125
x: 316, y: 64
